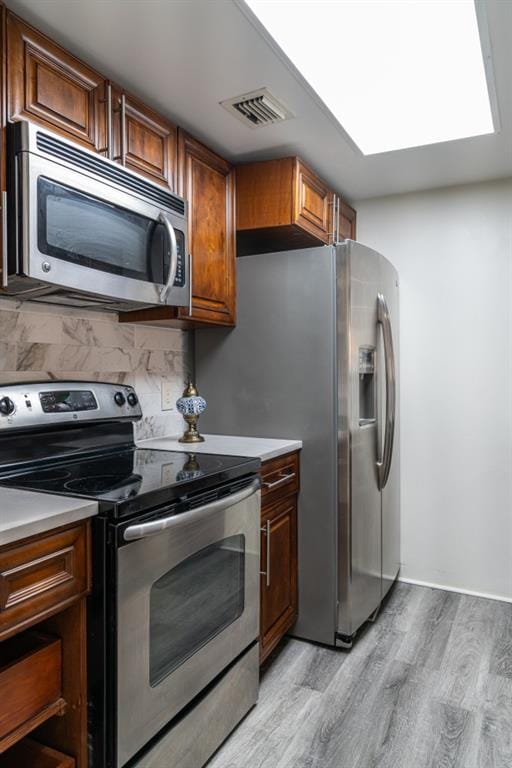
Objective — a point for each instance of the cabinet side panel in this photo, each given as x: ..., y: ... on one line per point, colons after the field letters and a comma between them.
x: 264, y: 194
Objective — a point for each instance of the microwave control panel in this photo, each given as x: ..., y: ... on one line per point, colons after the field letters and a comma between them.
x: 179, y: 280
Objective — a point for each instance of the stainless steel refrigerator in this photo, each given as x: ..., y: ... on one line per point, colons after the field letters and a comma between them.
x: 314, y: 356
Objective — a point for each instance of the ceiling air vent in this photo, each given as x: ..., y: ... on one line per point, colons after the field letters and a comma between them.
x: 257, y: 108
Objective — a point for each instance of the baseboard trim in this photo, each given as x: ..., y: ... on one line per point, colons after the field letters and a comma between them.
x: 486, y: 595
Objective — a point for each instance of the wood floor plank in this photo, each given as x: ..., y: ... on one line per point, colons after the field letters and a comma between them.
x: 452, y: 729
x: 494, y: 739
x: 467, y: 658
x: 394, y: 718
x: 323, y: 665
x: 430, y: 630
x: 501, y: 661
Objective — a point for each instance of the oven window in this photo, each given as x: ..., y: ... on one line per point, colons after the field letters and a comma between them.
x: 193, y: 602
x: 84, y: 230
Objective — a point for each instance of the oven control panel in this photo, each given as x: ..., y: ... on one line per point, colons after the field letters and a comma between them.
x: 68, y: 400
x: 38, y: 404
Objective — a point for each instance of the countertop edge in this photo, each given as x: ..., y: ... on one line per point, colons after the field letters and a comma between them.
x: 230, y: 445
x: 15, y: 531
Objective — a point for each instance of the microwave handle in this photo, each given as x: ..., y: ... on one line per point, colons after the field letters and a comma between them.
x: 174, y: 256
x: 143, y: 530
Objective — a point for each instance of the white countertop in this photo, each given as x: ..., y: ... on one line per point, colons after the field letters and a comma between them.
x: 263, y: 448
x: 26, y: 513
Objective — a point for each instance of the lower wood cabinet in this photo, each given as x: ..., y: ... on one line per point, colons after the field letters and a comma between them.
x: 41, y: 575
x: 44, y: 581
x: 278, y: 588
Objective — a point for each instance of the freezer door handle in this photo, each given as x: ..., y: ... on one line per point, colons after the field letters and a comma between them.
x: 384, y: 462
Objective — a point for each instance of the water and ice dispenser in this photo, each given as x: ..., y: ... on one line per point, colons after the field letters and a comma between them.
x: 367, y: 392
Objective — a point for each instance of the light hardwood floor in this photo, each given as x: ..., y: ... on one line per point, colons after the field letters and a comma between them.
x: 429, y: 685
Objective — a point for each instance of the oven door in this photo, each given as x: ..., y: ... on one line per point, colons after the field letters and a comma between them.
x: 188, y: 605
x: 85, y: 235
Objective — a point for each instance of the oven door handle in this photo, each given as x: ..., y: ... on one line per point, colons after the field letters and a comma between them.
x: 173, y: 266
x: 142, y: 531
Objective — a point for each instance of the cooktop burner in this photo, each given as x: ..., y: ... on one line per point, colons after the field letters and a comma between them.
x: 48, y: 476
x: 129, y: 480
x: 102, y: 483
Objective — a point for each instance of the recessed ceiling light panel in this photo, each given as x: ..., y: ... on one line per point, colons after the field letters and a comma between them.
x: 394, y: 73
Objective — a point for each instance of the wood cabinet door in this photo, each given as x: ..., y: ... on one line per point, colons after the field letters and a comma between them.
x: 144, y: 141
x: 313, y: 202
x: 346, y: 221
x: 279, y: 572
x: 47, y: 85
x: 207, y: 182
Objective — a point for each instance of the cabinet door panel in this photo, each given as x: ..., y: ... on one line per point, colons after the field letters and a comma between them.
x: 279, y: 572
x: 346, y: 221
x: 207, y: 182
x: 47, y: 85
x: 151, y: 141
x: 312, y: 202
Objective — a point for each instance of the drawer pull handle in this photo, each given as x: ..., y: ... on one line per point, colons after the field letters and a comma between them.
x: 282, y: 479
x: 266, y: 531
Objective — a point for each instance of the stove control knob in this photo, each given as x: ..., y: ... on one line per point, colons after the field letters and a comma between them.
x: 132, y: 399
x: 6, y: 406
x: 119, y: 399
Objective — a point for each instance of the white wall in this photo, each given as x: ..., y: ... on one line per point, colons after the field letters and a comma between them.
x: 453, y: 250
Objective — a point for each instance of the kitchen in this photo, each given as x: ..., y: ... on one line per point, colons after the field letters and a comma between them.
x: 326, y: 579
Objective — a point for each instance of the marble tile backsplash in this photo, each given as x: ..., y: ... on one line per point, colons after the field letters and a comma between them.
x: 40, y: 342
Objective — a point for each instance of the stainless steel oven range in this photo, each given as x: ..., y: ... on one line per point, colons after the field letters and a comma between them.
x: 83, y: 230
x: 174, y: 615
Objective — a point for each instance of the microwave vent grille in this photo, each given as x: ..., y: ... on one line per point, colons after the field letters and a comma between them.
x: 108, y: 171
x: 257, y: 108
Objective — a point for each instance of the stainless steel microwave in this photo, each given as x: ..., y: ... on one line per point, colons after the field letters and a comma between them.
x: 83, y: 230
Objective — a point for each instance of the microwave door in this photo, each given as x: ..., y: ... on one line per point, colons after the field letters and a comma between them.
x: 80, y: 233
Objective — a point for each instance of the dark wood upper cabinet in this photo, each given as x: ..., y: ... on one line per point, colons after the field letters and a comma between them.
x: 46, y: 85
x: 346, y: 221
x: 283, y: 204
x: 312, y: 200
x: 143, y: 140
x: 207, y: 182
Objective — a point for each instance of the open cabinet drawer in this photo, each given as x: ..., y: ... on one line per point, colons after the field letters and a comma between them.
x: 31, y: 754
x: 30, y: 682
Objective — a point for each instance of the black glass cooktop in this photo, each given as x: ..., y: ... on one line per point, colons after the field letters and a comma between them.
x: 135, y: 479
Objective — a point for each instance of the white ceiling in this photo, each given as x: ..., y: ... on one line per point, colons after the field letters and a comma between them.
x: 185, y: 56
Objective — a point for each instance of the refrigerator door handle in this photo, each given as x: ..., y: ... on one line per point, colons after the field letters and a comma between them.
x: 384, y: 463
